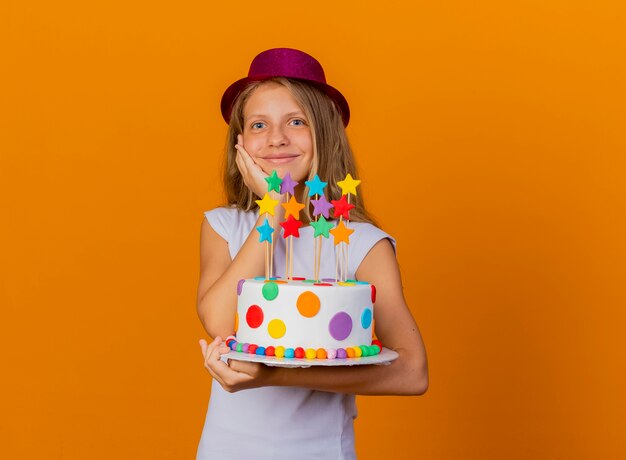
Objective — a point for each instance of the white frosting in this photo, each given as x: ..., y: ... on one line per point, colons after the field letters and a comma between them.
x: 303, y: 331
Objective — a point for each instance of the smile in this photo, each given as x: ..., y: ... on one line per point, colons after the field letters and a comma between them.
x: 280, y: 159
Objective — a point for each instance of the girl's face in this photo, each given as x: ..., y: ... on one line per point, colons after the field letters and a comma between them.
x: 276, y: 132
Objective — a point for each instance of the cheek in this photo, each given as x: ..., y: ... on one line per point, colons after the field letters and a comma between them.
x: 252, y: 145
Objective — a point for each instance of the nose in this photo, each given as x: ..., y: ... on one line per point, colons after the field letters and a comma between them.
x: 278, y: 137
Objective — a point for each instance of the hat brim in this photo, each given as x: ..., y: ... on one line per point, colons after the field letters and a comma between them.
x: 233, y: 91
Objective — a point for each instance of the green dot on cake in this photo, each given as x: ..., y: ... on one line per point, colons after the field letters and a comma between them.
x: 270, y: 291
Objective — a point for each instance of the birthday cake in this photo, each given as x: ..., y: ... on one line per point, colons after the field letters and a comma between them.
x: 299, y: 318
x: 306, y: 318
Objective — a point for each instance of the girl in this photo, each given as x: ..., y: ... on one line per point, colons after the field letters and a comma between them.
x: 285, y: 117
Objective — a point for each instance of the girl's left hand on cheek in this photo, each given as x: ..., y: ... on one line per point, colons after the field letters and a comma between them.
x: 234, y: 375
x: 253, y: 175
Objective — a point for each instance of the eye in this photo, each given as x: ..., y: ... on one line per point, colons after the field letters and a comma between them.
x: 258, y: 125
x: 298, y: 122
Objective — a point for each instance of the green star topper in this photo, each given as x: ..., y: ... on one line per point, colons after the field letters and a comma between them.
x: 322, y: 227
x: 273, y: 182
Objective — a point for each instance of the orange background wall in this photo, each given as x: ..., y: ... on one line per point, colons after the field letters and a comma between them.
x: 491, y: 141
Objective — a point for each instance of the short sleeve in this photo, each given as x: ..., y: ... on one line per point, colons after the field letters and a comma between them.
x: 362, y: 241
x: 221, y: 220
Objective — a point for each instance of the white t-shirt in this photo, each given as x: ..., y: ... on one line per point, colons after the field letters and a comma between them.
x: 276, y: 423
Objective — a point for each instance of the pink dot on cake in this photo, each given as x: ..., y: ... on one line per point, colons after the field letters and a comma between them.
x: 254, y: 316
x: 340, y: 326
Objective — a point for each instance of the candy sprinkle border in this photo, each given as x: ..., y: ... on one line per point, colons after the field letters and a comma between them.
x: 308, y: 353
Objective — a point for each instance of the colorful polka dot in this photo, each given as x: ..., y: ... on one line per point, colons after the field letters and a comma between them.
x: 289, y: 353
x: 366, y: 318
x: 254, y: 316
x: 322, y: 284
x: 270, y: 290
x: 341, y: 353
x: 345, y: 283
x: 276, y: 328
x: 236, y: 322
x: 279, y: 351
x: 308, y: 304
x: 240, y: 286
x: 310, y: 353
x: 340, y: 326
x: 373, y: 294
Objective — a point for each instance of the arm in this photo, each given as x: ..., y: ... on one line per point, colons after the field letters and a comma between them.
x: 217, y: 299
x: 395, y: 327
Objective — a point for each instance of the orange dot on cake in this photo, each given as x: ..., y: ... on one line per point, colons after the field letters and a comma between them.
x: 308, y: 304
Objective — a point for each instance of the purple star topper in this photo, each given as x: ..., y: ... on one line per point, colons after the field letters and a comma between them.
x: 288, y: 184
x: 321, y: 206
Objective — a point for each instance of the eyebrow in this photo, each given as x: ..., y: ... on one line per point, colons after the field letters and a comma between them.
x: 260, y: 115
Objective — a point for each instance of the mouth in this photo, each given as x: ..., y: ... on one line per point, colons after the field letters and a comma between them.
x: 281, y: 158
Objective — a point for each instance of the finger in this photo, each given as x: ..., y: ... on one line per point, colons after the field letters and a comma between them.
x: 209, y: 349
x: 247, y: 158
x: 203, y: 346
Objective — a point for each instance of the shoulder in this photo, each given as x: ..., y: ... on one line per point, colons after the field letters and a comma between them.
x: 225, y: 219
x: 367, y: 235
x: 363, y: 240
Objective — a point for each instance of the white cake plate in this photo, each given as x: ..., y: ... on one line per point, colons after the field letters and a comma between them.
x: 384, y: 357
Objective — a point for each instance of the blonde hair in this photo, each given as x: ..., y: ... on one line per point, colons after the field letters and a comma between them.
x: 332, y: 156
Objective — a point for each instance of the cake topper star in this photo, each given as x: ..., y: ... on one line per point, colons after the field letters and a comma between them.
x: 341, y: 233
x: 322, y: 226
x: 288, y: 184
x: 267, y: 204
x: 348, y: 185
x: 291, y: 227
x: 265, y: 232
x: 321, y: 206
x: 316, y: 186
x: 342, y: 207
x: 273, y: 182
x: 292, y: 207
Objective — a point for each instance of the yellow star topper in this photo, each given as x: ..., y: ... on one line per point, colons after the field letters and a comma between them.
x: 348, y: 185
x: 267, y: 204
x: 341, y: 233
x: 293, y: 208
